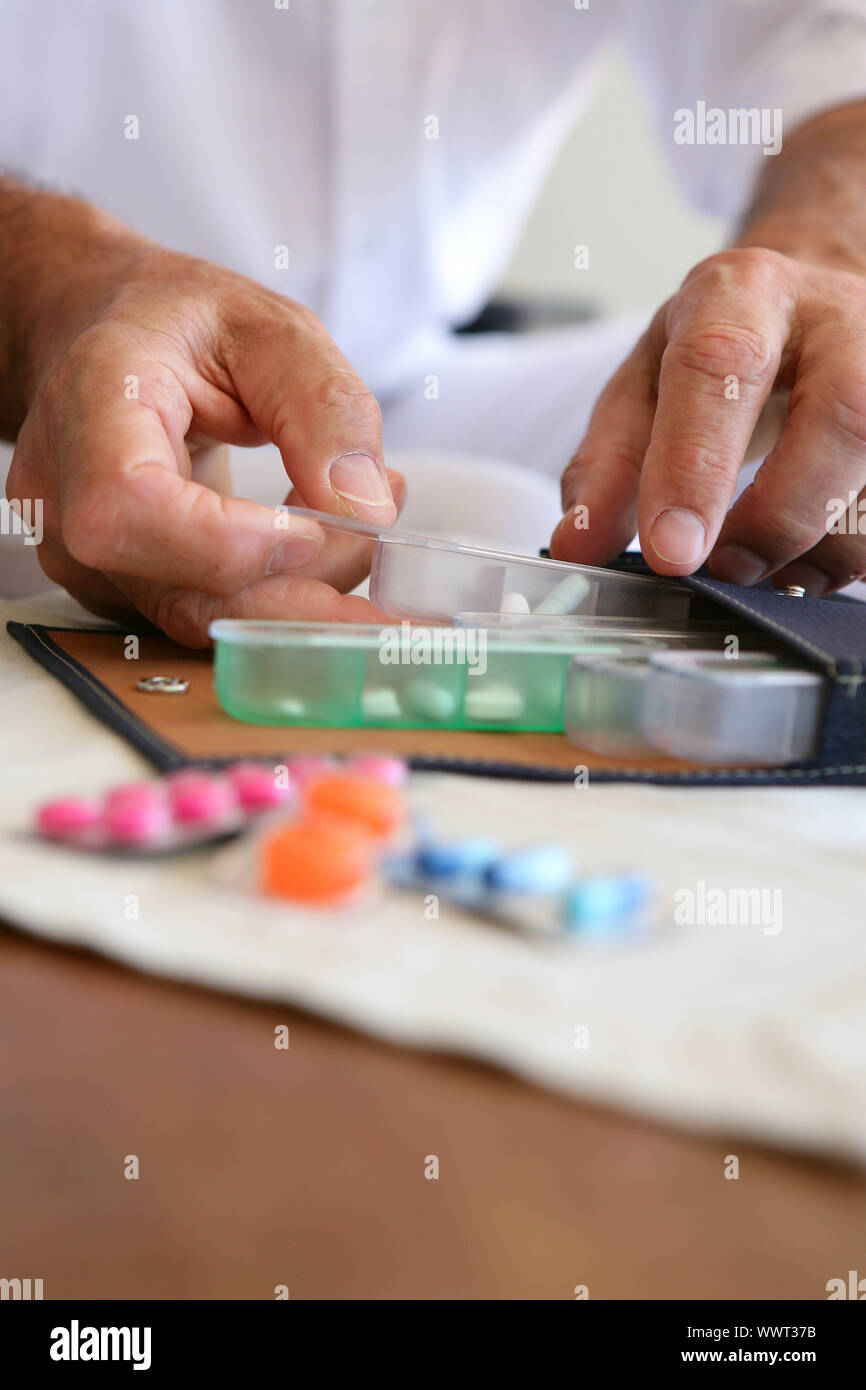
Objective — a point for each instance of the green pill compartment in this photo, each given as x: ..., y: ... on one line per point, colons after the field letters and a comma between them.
x: 404, y: 675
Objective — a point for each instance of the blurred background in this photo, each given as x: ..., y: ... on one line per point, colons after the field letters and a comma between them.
x: 615, y: 153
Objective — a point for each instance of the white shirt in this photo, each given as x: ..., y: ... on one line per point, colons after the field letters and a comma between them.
x: 389, y: 149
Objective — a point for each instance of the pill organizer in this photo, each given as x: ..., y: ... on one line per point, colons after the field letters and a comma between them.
x: 753, y: 711
x: 696, y: 705
x: 604, y: 705
x: 409, y: 675
x: 414, y: 576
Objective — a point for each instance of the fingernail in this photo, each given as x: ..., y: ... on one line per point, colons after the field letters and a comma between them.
x: 808, y: 576
x: 358, y: 478
x: 289, y: 554
x: 678, y: 537
x: 736, y: 564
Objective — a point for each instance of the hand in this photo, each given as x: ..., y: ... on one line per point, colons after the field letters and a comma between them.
x: 178, y: 352
x: 672, y: 429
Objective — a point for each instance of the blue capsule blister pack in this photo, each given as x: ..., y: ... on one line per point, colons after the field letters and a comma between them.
x: 534, y: 891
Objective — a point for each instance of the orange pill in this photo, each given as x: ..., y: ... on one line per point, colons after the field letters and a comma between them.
x: 364, y: 800
x: 316, y: 860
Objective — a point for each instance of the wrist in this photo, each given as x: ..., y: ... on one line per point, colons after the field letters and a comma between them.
x: 810, y: 239
x: 65, y: 261
x: 810, y: 202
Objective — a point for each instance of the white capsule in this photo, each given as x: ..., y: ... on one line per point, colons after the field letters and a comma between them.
x: 514, y: 603
x: 566, y: 596
x: 292, y: 708
x: 431, y: 702
x: 380, y: 706
x: 493, y: 704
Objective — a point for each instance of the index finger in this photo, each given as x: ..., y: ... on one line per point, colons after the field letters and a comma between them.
x: 301, y: 392
x: 724, y: 352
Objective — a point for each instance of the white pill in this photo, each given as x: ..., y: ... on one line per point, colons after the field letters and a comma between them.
x: 429, y: 701
x: 493, y: 704
x: 380, y: 706
x: 292, y: 708
x: 566, y: 596
x: 514, y: 603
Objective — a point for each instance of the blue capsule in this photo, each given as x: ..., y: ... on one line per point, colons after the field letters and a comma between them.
x: 544, y: 869
x: 458, y: 858
x: 602, y: 906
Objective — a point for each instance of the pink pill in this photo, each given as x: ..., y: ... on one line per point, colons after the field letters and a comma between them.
x: 139, y: 821
x: 136, y: 794
x: 307, y: 768
x: 201, y: 798
x: 68, y: 818
x: 381, y: 768
x: 257, y: 786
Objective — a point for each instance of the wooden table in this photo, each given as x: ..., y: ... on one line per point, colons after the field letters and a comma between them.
x: 305, y: 1167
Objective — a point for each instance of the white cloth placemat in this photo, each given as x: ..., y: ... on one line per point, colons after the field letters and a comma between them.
x: 741, y: 1029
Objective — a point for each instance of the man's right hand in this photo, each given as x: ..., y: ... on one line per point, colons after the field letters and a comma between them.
x: 162, y: 352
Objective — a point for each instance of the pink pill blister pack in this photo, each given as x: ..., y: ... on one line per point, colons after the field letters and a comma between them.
x: 191, y: 807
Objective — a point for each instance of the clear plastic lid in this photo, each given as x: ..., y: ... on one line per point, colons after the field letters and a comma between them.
x: 753, y: 670
x: 690, y: 633
x: 351, y: 526
x: 421, y: 577
x: 276, y: 633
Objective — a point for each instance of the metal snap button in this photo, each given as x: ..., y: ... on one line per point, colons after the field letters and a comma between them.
x: 163, y: 685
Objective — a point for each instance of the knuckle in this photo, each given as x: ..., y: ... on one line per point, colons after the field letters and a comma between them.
x: 845, y: 410
x: 183, y: 615
x: 691, y: 469
x: 720, y: 349
x: 250, y: 318
x: 773, y: 522
x: 580, y: 462
x: 779, y: 533
x: 243, y: 324
x: 334, y: 392
x: 161, y: 392
x: 740, y: 268
x: 617, y: 457
x: 303, y: 319
x: 339, y: 389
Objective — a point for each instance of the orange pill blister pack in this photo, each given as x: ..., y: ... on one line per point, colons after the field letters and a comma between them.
x: 324, y: 852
